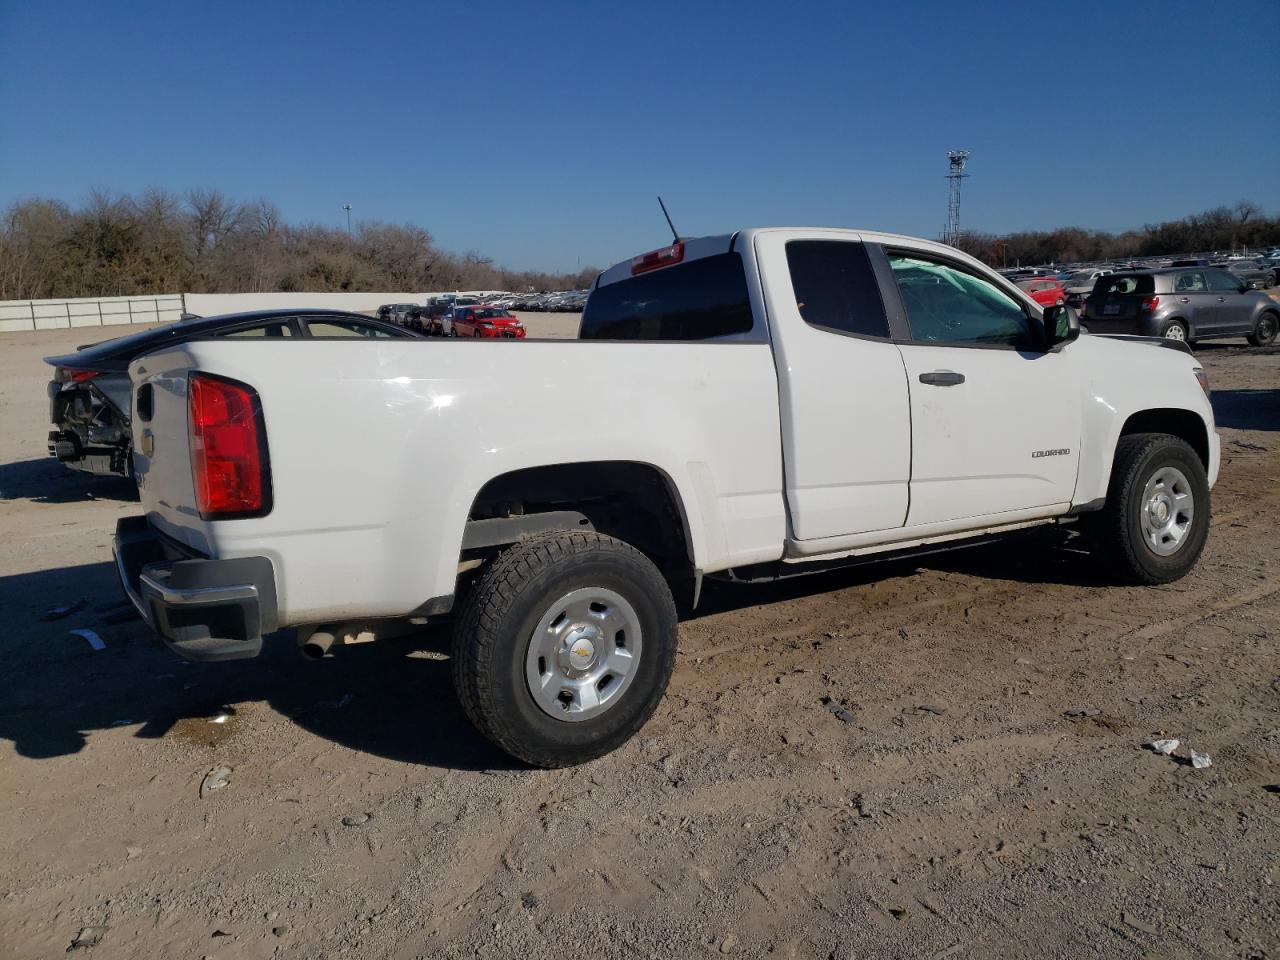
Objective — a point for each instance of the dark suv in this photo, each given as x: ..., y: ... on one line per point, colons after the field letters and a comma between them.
x: 1200, y: 303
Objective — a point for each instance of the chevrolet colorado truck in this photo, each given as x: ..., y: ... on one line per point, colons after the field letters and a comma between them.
x: 747, y: 407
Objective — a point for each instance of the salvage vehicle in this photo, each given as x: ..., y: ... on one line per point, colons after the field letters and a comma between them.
x: 1182, y: 304
x: 89, y: 395
x: 745, y: 407
x: 486, y: 321
x: 1045, y: 291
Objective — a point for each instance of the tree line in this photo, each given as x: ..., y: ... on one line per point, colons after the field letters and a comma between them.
x: 1222, y: 229
x: 157, y: 242
x: 203, y: 242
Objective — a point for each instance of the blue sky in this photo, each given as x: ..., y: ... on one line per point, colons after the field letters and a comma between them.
x: 539, y: 133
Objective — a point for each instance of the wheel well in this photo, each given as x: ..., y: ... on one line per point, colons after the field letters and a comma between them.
x: 635, y: 502
x: 1179, y: 423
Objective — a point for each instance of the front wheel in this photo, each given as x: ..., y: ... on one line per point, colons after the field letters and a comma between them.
x: 564, y: 647
x: 1264, y: 331
x: 1156, y: 519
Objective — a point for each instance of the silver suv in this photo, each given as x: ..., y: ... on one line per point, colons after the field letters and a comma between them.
x: 1189, y: 303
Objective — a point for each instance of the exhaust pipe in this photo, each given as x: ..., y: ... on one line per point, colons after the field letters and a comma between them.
x: 318, y: 644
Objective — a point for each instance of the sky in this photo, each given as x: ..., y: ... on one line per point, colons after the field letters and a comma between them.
x: 540, y: 133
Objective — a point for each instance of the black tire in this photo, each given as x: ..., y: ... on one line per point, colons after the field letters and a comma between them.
x: 498, y: 620
x: 1117, y: 528
x: 1264, y: 331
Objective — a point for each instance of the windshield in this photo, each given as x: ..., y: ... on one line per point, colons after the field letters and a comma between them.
x: 493, y: 312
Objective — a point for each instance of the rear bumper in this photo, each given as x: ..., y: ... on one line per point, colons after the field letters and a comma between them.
x: 203, y: 609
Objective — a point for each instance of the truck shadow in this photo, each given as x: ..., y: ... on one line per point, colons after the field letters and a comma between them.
x: 1247, y: 409
x: 48, y: 481
x: 393, y: 698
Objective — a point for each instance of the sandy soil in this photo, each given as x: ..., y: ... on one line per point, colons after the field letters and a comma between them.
x: 929, y: 761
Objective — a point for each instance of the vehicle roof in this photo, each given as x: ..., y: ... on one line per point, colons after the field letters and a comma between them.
x: 697, y: 247
x: 117, y: 352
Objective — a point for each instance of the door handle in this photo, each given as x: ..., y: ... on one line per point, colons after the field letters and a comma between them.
x: 1222, y: 299
x: 1184, y: 299
x: 942, y: 378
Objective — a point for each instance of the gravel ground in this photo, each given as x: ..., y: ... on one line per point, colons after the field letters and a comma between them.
x: 928, y: 760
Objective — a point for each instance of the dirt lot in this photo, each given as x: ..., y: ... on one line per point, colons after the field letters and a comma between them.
x: 928, y: 761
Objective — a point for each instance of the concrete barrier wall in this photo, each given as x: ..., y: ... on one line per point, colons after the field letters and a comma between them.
x: 18, y: 315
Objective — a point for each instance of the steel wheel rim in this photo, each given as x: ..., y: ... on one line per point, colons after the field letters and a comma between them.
x: 1266, y: 329
x: 583, y: 654
x: 1175, y: 332
x: 1167, y: 511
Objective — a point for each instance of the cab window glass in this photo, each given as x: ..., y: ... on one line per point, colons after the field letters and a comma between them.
x: 835, y: 287
x: 698, y: 300
x: 947, y: 305
x: 1189, y: 283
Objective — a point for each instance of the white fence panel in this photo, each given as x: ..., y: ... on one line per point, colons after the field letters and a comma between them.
x: 18, y: 315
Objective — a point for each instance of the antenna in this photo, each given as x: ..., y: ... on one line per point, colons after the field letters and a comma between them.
x: 675, y: 236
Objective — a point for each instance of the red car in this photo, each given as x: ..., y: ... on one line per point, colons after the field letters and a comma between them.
x: 1045, y: 291
x: 485, y: 321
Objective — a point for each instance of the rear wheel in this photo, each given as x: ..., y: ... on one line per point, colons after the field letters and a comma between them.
x: 564, y: 647
x: 1156, y: 519
x: 1264, y: 331
x: 1175, y: 330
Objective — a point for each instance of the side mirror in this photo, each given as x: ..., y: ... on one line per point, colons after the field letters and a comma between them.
x: 1061, y: 325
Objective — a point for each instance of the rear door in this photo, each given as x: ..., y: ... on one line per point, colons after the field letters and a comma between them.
x: 846, y: 424
x: 1192, y: 300
x: 995, y: 418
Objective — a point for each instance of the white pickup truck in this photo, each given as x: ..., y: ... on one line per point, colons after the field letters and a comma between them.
x: 749, y: 406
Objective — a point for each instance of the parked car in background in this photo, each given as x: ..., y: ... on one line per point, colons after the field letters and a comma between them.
x: 1079, y: 284
x: 486, y: 321
x: 1045, y: 291
x: 441, y: 325
x: 1250, y: 272
x: 89, y: 398
x: 1181, y: 304
x: 1190, y: 262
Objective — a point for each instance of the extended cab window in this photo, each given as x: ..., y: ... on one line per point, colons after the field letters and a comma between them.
x: 699, y: 300
x: 947, y: 305
x: 835, y: 287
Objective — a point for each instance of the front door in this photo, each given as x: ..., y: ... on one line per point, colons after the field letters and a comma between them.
x: 1232, y: 311
x: 995, y: 418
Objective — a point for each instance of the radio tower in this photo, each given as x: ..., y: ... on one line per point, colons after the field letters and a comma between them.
x: 951, y: 235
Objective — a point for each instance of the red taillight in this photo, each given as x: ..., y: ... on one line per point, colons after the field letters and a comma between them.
x: 70, y: 375
x: 1150, y: 304
x: 658, y: 258
x: 228, y: 449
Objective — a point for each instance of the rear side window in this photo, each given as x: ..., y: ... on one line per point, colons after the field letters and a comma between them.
x: 699, y: 300
x: 1124, y: 284
x: 835, y: 287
